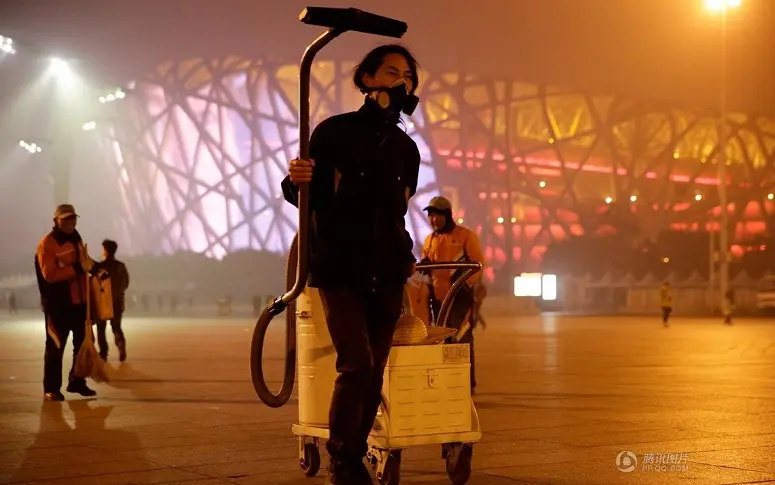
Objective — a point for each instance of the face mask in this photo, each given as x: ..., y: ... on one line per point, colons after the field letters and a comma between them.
x: 396, y: 98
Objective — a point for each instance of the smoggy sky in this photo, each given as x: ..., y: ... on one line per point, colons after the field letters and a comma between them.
x: 659, y: 49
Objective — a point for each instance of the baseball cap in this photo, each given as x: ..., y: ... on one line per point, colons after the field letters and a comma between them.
x: 439, y: 204
x: 64, y: 211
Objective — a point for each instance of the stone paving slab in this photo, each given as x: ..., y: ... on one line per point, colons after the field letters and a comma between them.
x: 559, y: 398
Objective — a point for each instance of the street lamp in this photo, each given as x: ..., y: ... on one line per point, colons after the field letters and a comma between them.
x: 30, y: 147
x: 61, y: 70
x: 722, y: 7
x: 112, y: 96
x: 6, y: 45
x: 60, y: 66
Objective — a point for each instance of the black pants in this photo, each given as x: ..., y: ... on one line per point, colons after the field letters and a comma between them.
x: 118, y: 334
x: 666, y: 311
x: 71, y: 319
x: 361, y: 325
x: 468, y: 338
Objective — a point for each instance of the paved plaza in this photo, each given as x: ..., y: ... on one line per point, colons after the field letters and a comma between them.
x: 559, y: 399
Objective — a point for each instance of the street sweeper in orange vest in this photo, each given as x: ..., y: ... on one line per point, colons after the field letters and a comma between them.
x: 62, y: 265
x: 449, y: 242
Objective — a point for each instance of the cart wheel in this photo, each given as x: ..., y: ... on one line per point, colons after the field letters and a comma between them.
x: 310, y: 465
x: 392, y: 473
x: 458, y: 458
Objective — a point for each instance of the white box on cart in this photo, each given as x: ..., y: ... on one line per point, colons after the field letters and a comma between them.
x: 428, y: 391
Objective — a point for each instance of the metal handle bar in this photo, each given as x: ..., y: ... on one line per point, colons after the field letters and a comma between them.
x: 305, y: 71
x: 449, y: 265
x: 470, y: 268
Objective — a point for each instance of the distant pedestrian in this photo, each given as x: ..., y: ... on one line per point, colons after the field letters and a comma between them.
x: 666, y: 301
x: 727, y: 306
x: 12, y: 309
x: 480, y: 293
x: 119, y: 282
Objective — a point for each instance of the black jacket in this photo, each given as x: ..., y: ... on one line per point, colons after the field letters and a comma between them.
x: 365, y: 166
x: 119, y: 281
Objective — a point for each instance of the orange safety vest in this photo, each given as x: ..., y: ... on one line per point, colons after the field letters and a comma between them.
x: 460, y: 244
x: 57, y: 265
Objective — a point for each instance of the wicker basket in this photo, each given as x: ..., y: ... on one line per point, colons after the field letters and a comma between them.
x: 411, y: 330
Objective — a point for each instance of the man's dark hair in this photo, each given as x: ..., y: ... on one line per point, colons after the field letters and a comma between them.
x: 374, y: 59
x: 110, y: 247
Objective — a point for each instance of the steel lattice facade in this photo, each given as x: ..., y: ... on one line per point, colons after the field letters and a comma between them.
x: 202, y: 146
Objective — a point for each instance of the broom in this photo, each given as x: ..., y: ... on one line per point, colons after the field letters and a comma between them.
x: 88, y: 363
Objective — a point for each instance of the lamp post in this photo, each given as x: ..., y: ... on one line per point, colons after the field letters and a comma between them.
x: 74, y: 98
x: 722, y: 7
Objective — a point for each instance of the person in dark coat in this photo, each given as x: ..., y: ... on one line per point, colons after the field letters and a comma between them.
x: 362, y: 173
x: 119, y: 282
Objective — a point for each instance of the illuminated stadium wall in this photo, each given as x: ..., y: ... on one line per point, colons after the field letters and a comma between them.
x: 208, y: 144
x: 203, y: 145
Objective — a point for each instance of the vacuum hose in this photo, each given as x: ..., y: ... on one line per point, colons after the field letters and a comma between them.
x: 259, y: 334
